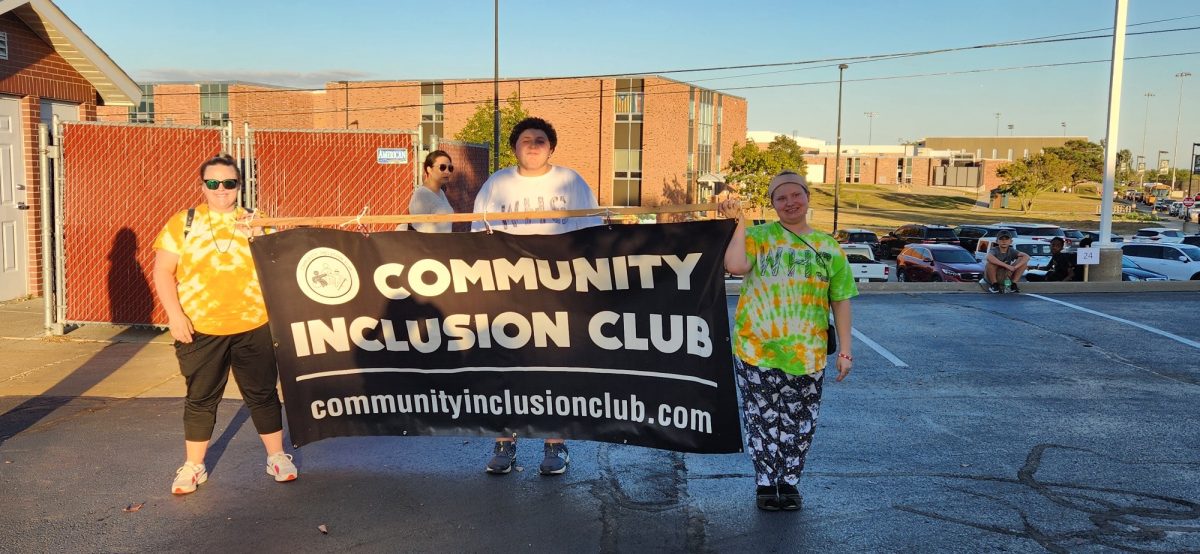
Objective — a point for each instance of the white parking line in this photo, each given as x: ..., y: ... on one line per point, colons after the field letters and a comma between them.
x: 881, y: 350
x: 1141, y: 326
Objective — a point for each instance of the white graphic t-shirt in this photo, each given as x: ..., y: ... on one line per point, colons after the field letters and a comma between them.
x: 559, y: 189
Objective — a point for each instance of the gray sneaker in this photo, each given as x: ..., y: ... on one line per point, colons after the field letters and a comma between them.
x: 503, y: 458
x: 556, y: 460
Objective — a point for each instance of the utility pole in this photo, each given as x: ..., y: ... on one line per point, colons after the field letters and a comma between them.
x: 997, y: 123
x: 495, y: 86
x: 1010, y: 129
x: 1145, y: 123
x: 870, y: 124
x: 1175, y: 148
x: 837, y: 157
x: 1064, y: 126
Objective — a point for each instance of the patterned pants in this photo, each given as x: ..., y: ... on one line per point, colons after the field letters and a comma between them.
x: 780, y: 412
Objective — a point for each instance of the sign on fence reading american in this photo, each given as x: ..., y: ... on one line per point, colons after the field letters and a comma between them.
x: 613, y: 333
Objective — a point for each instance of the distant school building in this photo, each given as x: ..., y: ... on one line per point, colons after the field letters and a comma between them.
x: 642, y: 140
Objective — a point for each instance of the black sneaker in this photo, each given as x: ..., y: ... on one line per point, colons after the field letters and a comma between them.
x: 1014, y: 288
x: 766, y: 498
x: 556, y: 459
x: 789, y: 498
x: 995, y: 288
x: 503, y: 458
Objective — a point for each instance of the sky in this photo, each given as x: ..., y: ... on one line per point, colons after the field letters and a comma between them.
x: 305, y: 43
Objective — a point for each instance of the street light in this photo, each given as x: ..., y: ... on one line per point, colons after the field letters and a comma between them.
x: 837, y: 156
x: 870, y: 124
x: 1145, y: 122
x: 1159, y: 164
x: 997, y: 123
x: 1064, y: 126
x: 1181, y: 75
x: 1010, y: 129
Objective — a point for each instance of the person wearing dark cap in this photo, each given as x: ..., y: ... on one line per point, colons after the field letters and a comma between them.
x: 1004, y: 263
x: 794, y: 276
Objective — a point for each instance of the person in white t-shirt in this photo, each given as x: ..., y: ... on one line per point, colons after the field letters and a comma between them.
x: 534, y: 184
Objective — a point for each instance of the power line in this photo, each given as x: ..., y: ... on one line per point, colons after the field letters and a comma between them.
x: 592, y: 95
x: 1062, y: 37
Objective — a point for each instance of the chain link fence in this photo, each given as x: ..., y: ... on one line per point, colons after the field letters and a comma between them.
x: 324, y: 173
x: 118, y: 185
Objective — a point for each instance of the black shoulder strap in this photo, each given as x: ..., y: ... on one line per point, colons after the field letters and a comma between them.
x: 817, y: 253
x: 187, y: 225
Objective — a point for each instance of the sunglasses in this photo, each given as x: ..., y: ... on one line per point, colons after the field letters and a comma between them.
x: 214, y: 184
x: 446, y: 167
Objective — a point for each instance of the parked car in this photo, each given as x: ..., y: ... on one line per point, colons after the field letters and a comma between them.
x: 1163, y: 206
x: 1175, y: 208
x: 937, y: 262
x: 1179, y: 262
x: 892, y: 243
x: 863, y: 265
x: 969, y: 235
x: 1193, y: 240
x: 1158, y: 234
x: 1131, y: 271
x: 858, y: 236
x: 1095, y: 236
x: 1074, y: 235
x: 1037, y: 231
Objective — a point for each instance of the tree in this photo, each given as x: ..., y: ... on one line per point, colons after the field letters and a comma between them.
x: 1029, y: 177
x: 752, y: 168
x: 1086, y: 159
x: 479, y: 127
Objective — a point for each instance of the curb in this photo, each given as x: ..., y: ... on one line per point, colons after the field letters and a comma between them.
x: 733, y: 287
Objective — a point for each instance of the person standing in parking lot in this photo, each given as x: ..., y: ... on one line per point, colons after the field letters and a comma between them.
x: 794, y: 276
x: 1004, y: 263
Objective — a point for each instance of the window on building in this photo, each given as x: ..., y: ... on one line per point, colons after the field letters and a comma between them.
x: 433, y: 112
x: 993, y: 153
x: 853, y: 170
x: 904, y: 170
x: 627, y: 143
x: 1010, y: 154
x: 691, y: 142
x: 704, y: 133
x: 214, y: 103
x: 1026, y: 154
x: 3, y: 46
x: 144, y: 111
x: 720, y: 121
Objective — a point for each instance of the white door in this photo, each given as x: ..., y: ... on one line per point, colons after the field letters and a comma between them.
x: 14, y: 267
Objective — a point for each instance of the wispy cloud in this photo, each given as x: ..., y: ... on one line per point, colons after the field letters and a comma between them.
x: 313, y: 79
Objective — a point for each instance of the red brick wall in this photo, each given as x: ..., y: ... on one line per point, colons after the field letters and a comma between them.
x: 664, y: 142
x: 35, y: 72
x: 177, y: 104
x: 269, y: 108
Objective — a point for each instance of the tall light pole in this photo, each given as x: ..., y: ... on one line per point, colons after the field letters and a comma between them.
x: 837, y: 156
x: 870, y: 124
x: 495, y: 86
x: 997, y: 123
x: 1064, y: 126
x: 1145, y: 123
x: 1175, y: 148
x: 1010, y: 129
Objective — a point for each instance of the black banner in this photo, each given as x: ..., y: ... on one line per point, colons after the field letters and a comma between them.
x: 614, y: 333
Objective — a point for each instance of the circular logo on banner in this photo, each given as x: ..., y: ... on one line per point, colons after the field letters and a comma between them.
x: 327, y: 276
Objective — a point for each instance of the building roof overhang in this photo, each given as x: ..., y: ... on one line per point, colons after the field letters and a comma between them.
x: 49, y: 22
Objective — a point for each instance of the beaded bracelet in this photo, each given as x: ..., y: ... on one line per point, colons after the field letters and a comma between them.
x: 848, y: 357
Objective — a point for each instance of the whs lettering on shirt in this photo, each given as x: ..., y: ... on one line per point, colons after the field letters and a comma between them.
x: 535, y: 204
x: 792, y: 262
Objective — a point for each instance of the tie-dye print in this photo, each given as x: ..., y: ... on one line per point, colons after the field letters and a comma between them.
x: 217, y: 284
x: 783, y: 311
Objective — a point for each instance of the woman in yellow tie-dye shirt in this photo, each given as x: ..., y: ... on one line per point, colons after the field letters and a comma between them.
x: 205, y: 278
x: 794, y: 276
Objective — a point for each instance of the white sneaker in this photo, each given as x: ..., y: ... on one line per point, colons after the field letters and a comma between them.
x: 280, y: 466
x: 188, y: 477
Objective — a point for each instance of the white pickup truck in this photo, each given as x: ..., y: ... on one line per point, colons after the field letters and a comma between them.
x: 863, y: 265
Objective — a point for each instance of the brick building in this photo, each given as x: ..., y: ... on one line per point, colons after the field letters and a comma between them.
x: 48, y: 68
x: 638, y: 141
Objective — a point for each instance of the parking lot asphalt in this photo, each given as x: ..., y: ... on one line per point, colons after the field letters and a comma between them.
x: 975, y: 422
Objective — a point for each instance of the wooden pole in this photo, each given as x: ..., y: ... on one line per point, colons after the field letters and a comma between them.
x: 341, y: 220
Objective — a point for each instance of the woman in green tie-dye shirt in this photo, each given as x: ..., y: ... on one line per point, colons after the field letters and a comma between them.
x: 794, y: 276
